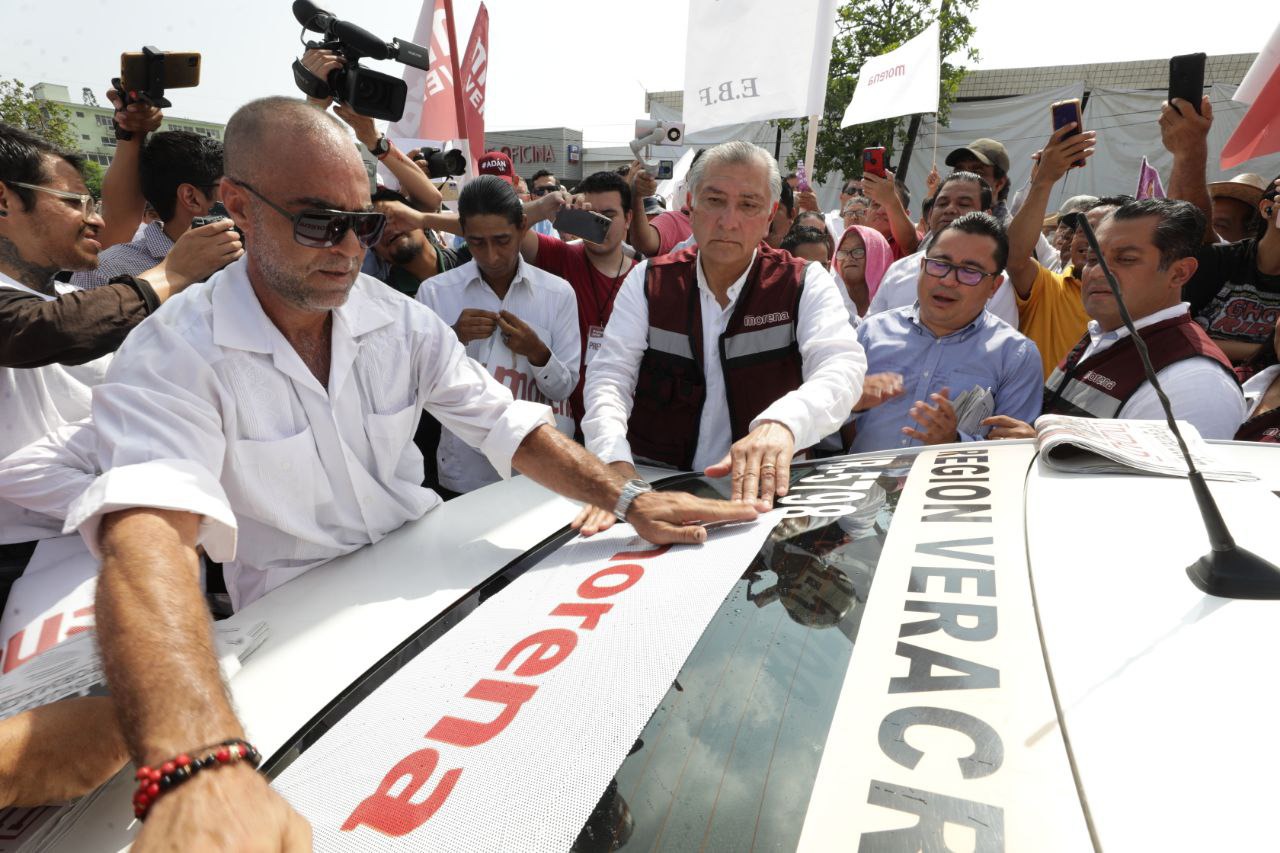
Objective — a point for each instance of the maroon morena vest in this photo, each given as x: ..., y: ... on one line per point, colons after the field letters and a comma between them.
x: 1099, y: 386
x: 1264, y: 427
x: 759, y: 352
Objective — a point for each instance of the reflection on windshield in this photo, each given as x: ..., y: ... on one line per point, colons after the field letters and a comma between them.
x: 727, y: 760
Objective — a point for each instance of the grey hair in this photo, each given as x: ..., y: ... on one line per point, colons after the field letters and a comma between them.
x: 734, y: 153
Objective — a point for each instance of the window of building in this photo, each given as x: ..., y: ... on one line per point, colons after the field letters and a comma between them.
x: 103, y: 121
x: 84, y: 136
x: 79, y: 114
x: 109, y: 141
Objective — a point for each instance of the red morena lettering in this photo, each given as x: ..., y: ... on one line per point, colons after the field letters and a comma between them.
x: 399, y: 815
x: 461, y: 732
x: 589, y: 612
x: 590, y: 588
x: 561, y: 640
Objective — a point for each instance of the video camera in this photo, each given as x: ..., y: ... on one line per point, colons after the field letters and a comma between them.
x: 659, y: 133
x: 441, y: 164
x: 369, y: 93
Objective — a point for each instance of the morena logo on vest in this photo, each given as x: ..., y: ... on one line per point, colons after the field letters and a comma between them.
x: 767, y: 319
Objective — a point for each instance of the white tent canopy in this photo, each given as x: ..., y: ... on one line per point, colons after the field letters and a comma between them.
x: 1127, y: 131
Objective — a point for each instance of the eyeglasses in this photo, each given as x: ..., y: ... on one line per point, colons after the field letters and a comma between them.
x: 965, y: 275
x: 544, y: 190
x: 852, y: 190
x: 88, y: 205
x: 321, y: 229
x: 845, y: 254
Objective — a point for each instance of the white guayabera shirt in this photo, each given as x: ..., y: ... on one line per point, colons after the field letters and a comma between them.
x: 208, y: 409
x: 547, y: 304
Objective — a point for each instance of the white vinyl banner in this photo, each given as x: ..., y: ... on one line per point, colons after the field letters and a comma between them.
x: 503, y: 734
x: 745, y: 60
x: 946, y: 735
x: 898, y: 83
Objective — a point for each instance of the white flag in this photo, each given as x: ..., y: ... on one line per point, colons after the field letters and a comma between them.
x: 898, y: 83
x: 745, y: 60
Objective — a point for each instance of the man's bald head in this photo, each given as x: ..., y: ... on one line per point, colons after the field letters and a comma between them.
x: 265, y: 135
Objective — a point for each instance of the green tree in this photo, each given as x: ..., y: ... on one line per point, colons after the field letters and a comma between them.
x: 21, y: 108
x: 868, y: 28
x: 93, y: 177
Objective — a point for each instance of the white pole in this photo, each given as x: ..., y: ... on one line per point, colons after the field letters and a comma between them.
x: 810, y: 146
x: 935, y: 140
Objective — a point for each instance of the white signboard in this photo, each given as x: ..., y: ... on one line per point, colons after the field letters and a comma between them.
x: 503, y: 734
x: 750, y: 60
x: 946, y: 736
x: 898, y: 83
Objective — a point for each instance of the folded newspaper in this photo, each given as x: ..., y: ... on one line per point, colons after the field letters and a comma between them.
x: 1102, y: 446
x: 73, y: 668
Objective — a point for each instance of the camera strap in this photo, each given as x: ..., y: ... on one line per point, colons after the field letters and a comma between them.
x: 309, y: 83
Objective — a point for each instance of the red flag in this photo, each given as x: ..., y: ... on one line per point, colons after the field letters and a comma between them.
x: 1259, y: 131
x: 433, y: 106
x: 475, y: 71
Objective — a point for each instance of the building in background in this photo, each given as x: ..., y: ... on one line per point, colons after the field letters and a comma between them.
x: 556, y: 149
x: 92, y: 124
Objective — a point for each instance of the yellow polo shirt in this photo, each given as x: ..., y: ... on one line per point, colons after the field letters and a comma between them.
x: 1053, y: 315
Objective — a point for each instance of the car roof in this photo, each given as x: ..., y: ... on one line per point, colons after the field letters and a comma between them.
x: 1121, y: 625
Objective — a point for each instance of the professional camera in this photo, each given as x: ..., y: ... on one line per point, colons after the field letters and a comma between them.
x: 369, y: 93
x: 441, y: 164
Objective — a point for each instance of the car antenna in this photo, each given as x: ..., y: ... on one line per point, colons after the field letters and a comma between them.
x: 1228, y: 570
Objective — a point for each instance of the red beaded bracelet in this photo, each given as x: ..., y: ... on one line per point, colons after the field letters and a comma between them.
x: 155, y: 782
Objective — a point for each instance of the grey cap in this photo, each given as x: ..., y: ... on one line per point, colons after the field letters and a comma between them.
x: 1077, y: 204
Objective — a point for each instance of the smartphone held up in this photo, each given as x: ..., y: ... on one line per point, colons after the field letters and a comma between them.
x: 1068, y: 112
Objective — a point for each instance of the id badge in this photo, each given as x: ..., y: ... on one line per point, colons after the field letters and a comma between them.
x: 595, y: 341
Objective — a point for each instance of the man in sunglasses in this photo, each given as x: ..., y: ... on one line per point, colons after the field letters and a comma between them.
x: 923, y: 356
x: 269, y: 418
x: 835, y: 221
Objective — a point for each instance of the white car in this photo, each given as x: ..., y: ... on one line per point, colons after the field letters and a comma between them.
x: 944, y: 648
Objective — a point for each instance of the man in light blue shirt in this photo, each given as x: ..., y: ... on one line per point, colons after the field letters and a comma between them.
x: 923, y: 356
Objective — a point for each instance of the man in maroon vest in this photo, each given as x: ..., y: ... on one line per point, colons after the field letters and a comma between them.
x: 1150, y: 246
x: 728, y: 356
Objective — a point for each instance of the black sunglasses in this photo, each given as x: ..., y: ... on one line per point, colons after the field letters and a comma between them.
x: 321, y: 229
x: 544, y: 190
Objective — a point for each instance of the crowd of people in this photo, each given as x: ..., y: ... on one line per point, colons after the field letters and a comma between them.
x: 241, y: 363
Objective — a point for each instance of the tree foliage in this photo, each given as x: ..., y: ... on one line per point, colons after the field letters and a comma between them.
x: 93, y: 174
x: 868, y: 28
x: 21, y: 108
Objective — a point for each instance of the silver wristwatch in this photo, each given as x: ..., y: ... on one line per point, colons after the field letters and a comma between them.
x: 630, y: 491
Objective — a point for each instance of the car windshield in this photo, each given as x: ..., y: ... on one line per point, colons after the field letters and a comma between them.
x: 729, y: 757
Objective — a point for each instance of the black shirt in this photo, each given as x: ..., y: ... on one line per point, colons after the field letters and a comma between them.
x: 1229, y: 297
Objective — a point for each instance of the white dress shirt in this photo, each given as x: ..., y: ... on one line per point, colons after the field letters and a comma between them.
x: 208, y: 409
x: 47, y: 475
x: 548, y: 305
x: 1199, y: 390
x: 35, y: 401
x: 833, y: 368
x: 1256, y: 388
x: 899, y: 287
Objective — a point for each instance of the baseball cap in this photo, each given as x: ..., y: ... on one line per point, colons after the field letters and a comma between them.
x: 986, y: 151
x: 499, y: 164
x: 1248, y: 188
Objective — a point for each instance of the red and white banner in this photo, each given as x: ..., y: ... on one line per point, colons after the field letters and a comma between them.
x: 433, y: 106
x: 475, y: 71
x: 53, y: 600
x: 898, y: 83
x: 503, y: 734
x: 1259, y: 131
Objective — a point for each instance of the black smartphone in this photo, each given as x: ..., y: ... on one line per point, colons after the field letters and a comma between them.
x: 1186, y: 79
x: 181, y: 71
x: 1064, y: 113
x: 216, y: 213
x: 587, y: 224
